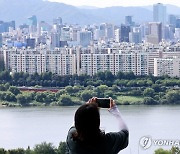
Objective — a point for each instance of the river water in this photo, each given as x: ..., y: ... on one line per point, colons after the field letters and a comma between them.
x: 23, y: 127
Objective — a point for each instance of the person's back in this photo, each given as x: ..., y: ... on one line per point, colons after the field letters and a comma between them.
x: 87, y: 138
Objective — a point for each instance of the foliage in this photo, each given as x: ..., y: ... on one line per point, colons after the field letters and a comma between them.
x: 24, y: 99
x: 174, y: 150
x: 65, y: 100
x: 74, y: 88
x: 14, y: 90
x: 44, y: 148
x: 149, y: 92
x: 173, y: 97
x: 62, y: 148
x: 86, y: 95
x: 162, y: 151
x: 149, y: 101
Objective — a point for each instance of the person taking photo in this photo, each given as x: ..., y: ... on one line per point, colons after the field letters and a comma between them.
x: 87, y: 138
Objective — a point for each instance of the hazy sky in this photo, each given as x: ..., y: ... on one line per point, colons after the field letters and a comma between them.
x: 106, y: 3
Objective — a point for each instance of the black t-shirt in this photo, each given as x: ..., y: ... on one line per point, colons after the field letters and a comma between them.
x: 112, y: 143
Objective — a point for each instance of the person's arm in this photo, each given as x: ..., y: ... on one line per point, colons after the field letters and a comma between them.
x: 115, y: 111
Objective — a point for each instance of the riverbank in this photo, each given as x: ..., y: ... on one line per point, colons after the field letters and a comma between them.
x: 76, y: 95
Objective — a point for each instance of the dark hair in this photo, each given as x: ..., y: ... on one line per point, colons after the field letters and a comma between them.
x: 87, y: 123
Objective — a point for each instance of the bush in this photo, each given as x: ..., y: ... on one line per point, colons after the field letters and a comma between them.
x: 16, y: 151
x: 149, y: 101
x: 44, y: 148
x: 65, y: 100
x: 62, y: 148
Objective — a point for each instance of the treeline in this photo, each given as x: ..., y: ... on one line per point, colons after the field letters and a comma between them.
x: 107, y: 78
x: 75, y: 90
x: 76, y: 95
x: 173, y: 150
x: 43, y: 148
x: 48, y: 148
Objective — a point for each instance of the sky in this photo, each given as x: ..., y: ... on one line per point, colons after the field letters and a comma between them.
x: 108, y: 3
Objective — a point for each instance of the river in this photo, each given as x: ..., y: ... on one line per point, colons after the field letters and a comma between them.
x: 20, y: 127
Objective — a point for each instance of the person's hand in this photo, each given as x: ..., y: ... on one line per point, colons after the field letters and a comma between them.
x: 112, y: 103
x: 92, y: 100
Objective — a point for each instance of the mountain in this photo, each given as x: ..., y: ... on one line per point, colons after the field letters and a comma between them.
x: 87, y: 7
x: 171, y: 9
x: 20, y: 10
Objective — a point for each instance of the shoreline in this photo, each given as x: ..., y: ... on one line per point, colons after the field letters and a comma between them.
x: 48, y: 106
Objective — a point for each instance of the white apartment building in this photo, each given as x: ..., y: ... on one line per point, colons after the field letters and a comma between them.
x: 114, y: 62
x: 69, y: 61
x: 43, y: 61
x: 152, y: 56
x: 167, y: 66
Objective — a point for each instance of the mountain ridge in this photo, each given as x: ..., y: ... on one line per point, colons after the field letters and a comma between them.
x: 20, y: 10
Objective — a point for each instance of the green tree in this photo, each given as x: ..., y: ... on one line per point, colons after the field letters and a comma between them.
x: 44, y: 148
x: 8, y: 96
x: 173, y: 97
x: 40, y: 97
x: 115, y: 88
x: 156, y: 87
x: 100, y: 76
x: 62, y: 148
x: 108, y: 94
x: 24, y: 99
x: 2, y: 151
x: 2, y: 87
x: 120, y: 75
x: 149, y: 101
x: 69, y: 89
x: 86, y: 95
x: 101, y: 90
x: 7, y: 85
x: 50, y: 97
x: 175, y: 150
x: 5, y: 75
x: 14, y: 90
x: 65, y: 100
x: 129, y: 75
x: 162, y: 151
x: 16, y: 151
x: 149, y: 92
x: 108, y: 76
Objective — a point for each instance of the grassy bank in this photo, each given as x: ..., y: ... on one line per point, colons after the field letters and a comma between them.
x: 129, y: 100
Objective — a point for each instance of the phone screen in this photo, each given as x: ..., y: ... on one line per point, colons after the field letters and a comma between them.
x: 103, y: 102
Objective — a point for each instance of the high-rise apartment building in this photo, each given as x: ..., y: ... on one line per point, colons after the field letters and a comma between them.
x: 32, y: 61
x: 32, y: 22
x: 84, y: 38
x: 65, y: 34
x: 155, y: 32
x: 159, y: 13
x: 55, y: 40
x: 4, y: 26
x: 117, y: 35
x: 128, y: 20
x: 115, y: 62
x: 167, y: 66
x: 172, y: 20
x: 31, y: 43
x: 178, y: 23
x: 135, y: 36
x: 124, y: 33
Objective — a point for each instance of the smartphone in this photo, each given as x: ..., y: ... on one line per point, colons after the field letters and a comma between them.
x: 103, y: 102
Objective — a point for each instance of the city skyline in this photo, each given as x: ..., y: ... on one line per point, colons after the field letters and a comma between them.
x: 108, y: 3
